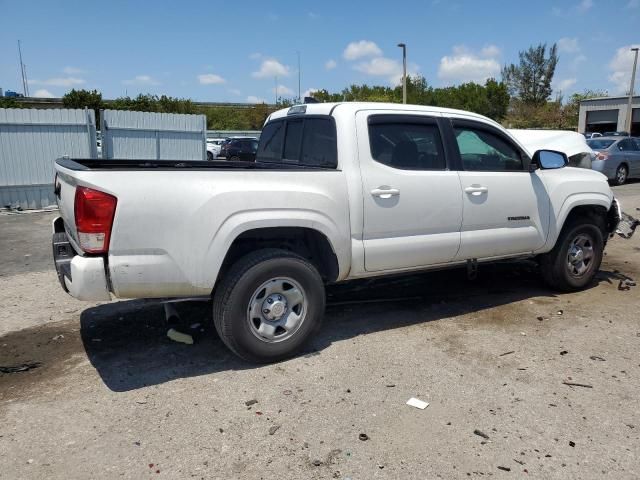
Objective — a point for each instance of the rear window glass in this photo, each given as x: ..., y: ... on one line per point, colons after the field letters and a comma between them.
x: 292, y: 140
x: 596, y: 143
x: 304, y: 141
x: 270, y: 147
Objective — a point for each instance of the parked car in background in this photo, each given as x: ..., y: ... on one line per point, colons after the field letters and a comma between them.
x: 615, y: 134
x: 213, y: 147
x: 591, y: 134
x: 241, y: 149
x: 616, y: 157
x: 573, y: 144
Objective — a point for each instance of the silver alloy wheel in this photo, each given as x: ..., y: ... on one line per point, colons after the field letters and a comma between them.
x: 277, y: 309
x: 621, y: 174
x: 580, y: 255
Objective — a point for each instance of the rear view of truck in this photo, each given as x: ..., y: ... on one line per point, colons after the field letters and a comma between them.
x: 81, y: 238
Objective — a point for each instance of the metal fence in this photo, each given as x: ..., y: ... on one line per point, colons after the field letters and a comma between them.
x: 153, y: 136
x: 30, y: 141
x: 233, y: 133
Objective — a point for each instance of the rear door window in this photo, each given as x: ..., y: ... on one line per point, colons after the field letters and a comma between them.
x: 319, y: 143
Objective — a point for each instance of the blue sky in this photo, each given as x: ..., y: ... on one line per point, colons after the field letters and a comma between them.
x: 232, y: 51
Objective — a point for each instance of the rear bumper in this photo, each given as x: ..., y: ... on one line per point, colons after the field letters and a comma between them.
x: 81, y: 277
x: 606, y: 167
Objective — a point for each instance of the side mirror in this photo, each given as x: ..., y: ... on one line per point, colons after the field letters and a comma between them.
x: 549, y: 159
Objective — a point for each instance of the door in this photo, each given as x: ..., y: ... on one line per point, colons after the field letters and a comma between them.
x: 629, y: 150
x: 505, y: 207
x: 412, y: 203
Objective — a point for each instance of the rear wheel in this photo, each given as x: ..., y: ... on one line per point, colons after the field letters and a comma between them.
x: 621, y: 174
x: 269, y: 304
x: 235, y: 158
x: 576, y: 257
x: 209, y: 156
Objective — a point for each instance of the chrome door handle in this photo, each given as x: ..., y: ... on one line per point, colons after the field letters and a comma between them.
x: 476, y: 190
x: 385, y: 192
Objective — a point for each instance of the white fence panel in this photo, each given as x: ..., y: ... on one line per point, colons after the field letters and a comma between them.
x: 153, y: 136
x: 30, y: 142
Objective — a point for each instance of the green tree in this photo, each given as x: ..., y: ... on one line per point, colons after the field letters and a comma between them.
x: 572, y: 108
x: 84, y: 98
x: 8, y: 102
x: 530, y: 80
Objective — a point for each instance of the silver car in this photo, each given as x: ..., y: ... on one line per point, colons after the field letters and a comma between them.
x: 617, y: 157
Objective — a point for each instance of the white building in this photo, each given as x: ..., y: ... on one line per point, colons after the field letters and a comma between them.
x: 608, y: 114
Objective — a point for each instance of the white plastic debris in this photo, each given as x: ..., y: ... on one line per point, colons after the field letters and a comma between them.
x: 180, y: 337
x: 414, y: 402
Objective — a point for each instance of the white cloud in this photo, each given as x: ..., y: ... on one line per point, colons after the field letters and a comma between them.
x: 73, y: 71
x: 584, y: 6
x: 59, y: 82
x: 363, y: 48
x: 620, y: 67
x: 568, y: 45
x: 42, y: 93
x: 141, y: 80
x: 490, y: 51
x: 465, y: 66
x: 235, y: 91
x: 309, y: 92
x: 564, y: 85
x: 272, y: 68
x: 283, y: 90
x: 330, y: 64
x: 210, y: 79
x: 254, y: 99
x: 385, y: 67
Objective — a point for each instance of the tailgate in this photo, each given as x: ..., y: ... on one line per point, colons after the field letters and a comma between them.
x: 65, y: 191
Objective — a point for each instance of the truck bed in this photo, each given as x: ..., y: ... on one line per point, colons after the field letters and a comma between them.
x: 81, y: 164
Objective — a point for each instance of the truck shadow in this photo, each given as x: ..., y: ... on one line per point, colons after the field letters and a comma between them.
x: 126, y: 341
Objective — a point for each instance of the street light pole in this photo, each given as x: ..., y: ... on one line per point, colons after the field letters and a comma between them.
x: 630, y: 102
x: 404, y: 71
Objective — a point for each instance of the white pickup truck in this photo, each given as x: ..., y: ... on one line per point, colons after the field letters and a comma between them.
x: 338, y: 192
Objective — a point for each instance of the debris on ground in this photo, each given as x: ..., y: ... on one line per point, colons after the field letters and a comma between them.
x: 480, y: 433
x: 572, y: 444
x: 19, y: 368
x: 563, y: 352
x: 507, y: 353
x: 317, y: 462
x: 506, y: 469
x: 58, y: 337
x: 627, y: 226
x: 273, y: 429
x: 626, y: 284
x: 599, y: 359
x: 414, y: 402
x: 573, y: 384
x: 560, y: 312
x: 179, y: 337
x: 248, y: 403
x: 363, y: 436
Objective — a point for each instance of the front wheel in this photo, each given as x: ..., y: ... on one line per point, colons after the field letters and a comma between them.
x: 269, y: 304
x: 576, y: 258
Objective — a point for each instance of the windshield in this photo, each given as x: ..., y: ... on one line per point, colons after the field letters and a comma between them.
x: 598, y: 144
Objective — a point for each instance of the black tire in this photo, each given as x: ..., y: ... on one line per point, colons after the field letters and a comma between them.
x: 235, y: 158
x: 555, y: 265
x: 209, y: 156
x: 233, y: 299
x: 622, y: 174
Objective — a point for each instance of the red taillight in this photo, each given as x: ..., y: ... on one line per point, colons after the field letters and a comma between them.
x: 602, y: 156
x: 94, y: 213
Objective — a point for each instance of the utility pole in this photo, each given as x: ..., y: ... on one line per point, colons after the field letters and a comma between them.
x: 23, y: 72
x: 633, y: 81
x: 403, y: 46
x: 299, y: 75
